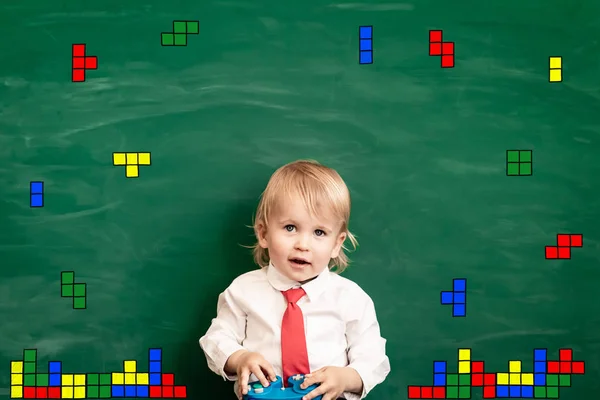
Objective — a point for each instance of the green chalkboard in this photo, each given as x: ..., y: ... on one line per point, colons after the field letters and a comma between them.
x: 422, y: 148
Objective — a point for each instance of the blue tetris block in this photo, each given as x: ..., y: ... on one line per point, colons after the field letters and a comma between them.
x: 515, y: 391
x: 154, y: 379
x: 539, y: 380
x: 118, y: 391
x: 447, y: 297
x: 539, y: 367
x: 527, y: 391
x: 154, y: 366
x: 366, y: 57
x: 54, y: 380
x: 459, y: 310
x: 501, y: 391
x: 36, y: 200
x: 155, y: 355
x: 439, y: 367
x: 365, y: 32
x: 439, y: 379
x: 130, y: 391
x: 36, y: 187
x: 539, y: 355
x: 54, y: 367
x: 366, y: 45
x: 460, y: 298
x: 460, y: 285
x: 142, y: 391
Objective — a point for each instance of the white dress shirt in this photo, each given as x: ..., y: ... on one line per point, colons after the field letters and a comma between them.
x: 339, y: 319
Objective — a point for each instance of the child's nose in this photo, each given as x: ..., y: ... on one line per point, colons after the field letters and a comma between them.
x: 302, y: 242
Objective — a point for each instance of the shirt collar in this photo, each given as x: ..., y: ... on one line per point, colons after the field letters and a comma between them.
x: 282, y: 283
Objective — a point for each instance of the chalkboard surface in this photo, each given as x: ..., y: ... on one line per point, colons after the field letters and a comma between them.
x: 422, y: 148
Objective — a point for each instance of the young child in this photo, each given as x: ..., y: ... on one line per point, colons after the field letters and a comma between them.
x: 296, y: 315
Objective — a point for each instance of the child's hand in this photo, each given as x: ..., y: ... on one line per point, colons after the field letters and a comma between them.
x: 333, y: 382
x: 253, y: 363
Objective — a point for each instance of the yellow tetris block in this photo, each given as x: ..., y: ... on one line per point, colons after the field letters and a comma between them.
x: 130, y: 378
x: 142, y: 378
x: 67, y: 380
x: 464, y: 367
x: 132, y: 171
x: 118, y: 378
x: 144, y: 158
x: 514, y: 366
x: 501, y: 378
x: 16, y: 367
x: 79, y: 392
x: 66, y: 392
x: 79, y: 380
x: 555, y: 75
x: 132, y: 159
x: 118, y: 158
x: 464, y: 354
x: 16, y: 392
x: 555, y: 62
x: 16, y: 379
x: 129, y: 366
x: 515, y: 379
x: 527, y: 379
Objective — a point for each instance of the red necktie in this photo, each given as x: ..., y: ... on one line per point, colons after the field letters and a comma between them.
x: 294, y: 356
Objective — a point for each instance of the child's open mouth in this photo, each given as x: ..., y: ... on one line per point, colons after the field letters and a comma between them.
x: 299, y: 262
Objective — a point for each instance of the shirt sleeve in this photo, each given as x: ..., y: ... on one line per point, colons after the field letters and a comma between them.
x: 366, y: 347
x: 225, y: 334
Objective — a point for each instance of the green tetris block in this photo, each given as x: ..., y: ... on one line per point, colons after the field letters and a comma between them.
x: 79, y: 303
x: 42, y: 379
x: 179, y: 27
x: 512, y: 169
x: 512, y: 155
x: 525, y: 155
x: 105, y: 379
x: 525, y: 169
x: 105, y: 392
x: 93, y: 379
x: 180, y: 39
x: 552, y: 393
x: 551, y: 380
x: 66, y: 290
x: 452, y: 392
x: 564, y: 380
x: 93, y: 392
x: 539, y: 392
x: 29, y: 379
x: 452, y: 380
x: 29, y: 368
x: 193, y: 27
x: 30, y: 355
x: 464, y: 392
x: 67, y: 277
x: 79, y: 290
x: 464, y: 379
x: 167, y: 39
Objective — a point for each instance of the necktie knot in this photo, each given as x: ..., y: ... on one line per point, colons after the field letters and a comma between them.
x: 293, y: 295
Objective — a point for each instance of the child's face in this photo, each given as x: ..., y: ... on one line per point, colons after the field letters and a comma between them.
x: 300, y: 245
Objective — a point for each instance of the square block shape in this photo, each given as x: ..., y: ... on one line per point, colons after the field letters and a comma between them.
x: 514, y: 391
x: 512, y: 169
x: 365, y: 57
x: 435, y: 49
x: 29, y: 367
x: 555, y: 62
x: 93, y: 379
x: 459, y: 285
x: 564, y: 380
x: 438, y: 392
x: 180, y: 39
x: 447, y: 61
x: 451, y: 393
x: 144, y: 158
x: 527, y: 379
x: 29, y: 392
x: 565, y: 367
x: 539, y: 392
x: 563, y: 240
x: 179, y: 27
x: 66, y: 392
x: 105, y: 379
x: 539, y: 379
x: 551, y: 252
x: 167, y: 392
x: 67, y: 380
x: 54, y: 380
x: 93, y: 392
x: 36, y: 201
x: 155, y: 354
x: 78, y: 62
x: 42, y: 380
x: 464, y: 354
x: 448, y: 48
x: 527, y: 391
x: 16, y: 379
x: 464, y: 392
x: 79, y: 392
x: 130, y: 366
x: 91, y: 62
x: 460, y: 298
x: 552, y: 392
x: 459, y: 310
x: 502, y: 378
x: 578, y: 367
x: 66, y: 291
x: 576, y: 240
x: 29, y: 380
x: 525, y: 169
x: 477, y: 380
x: 552, y: 380
x: 118, y: 378
x: 193, y: 27
x: 452, y: 380
x: 36, y: 187
x: 477, y: 366
x: 555, y: 75
x: 564, y: 253
x: 489, y: 379
x: 54, y: 367
x: 512, y: 155
x: 489, y: 392
x: 439, y: 379
x: 132, y: 171
x: 119, y: 159
x: 16, y: 367
x: 464, y: 380
x: 439, y: 367
x: 365, y: 32
x: 118, y: 391
x: 514, y: 379
x: 181, y: 392
x: 168, y: 379
x: 78, y: 75
x: 130, y: 391
x: 142, y: 391
x: 167, y: 39
x: 29, y: 356
x: 155, y: 391
x: 105, y: 392
x: 79, y: 303
x: 514, y: 366
x: 155, y: 366
x: 435, y: 36
x: 54, y: 393
x: 365, y: 45
x: 79, y: 289
x: 16, y: 392
x: 525, y: 155
x: 79, y: 379
x: 130, y: 378
x: 78, y: 50
x: 155, y: 379
x: 132, y: 158
x: 447, y: 297
x: 502, y: 391
x: 142, y: 378
x: 464, y: 367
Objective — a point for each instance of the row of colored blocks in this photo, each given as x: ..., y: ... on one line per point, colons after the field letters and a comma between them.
x: 365, y: 44
x: 563, y: 248
x: 457, y: 297
x: 180, y: 31
x: 97, y: 392
x: 445, y: 50
x: 81, y: 63
x: 68, y: 288
x: 519, y: 162
x: 131, y: 161
x: 501, y: 379
x: 489, y: 392
x: 555, y: 69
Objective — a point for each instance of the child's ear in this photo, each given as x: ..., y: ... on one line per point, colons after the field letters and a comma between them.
x: 261, y: 234
x: 338, y: 244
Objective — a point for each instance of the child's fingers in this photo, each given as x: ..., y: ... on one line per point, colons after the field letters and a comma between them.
x: 259, y: 374
x: 270, y: 372
x: 243, y: 376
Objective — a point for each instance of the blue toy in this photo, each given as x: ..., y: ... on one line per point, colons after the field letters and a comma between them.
x: 275, y: 390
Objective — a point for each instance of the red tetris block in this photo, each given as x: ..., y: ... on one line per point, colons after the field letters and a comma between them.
x: 167, y: 392
x: 563, y: 240
x: 477, y: 367
x: 489, y: 379
x: 447, y: 61
x: 167, y: 379
x: 41, y: 392
x: 435, y: 49
x: 180, y: 392
x: 551, y: 252
x: 427, y: 392
x: 29, y: 392
x: 435, y: 36
x: 414, y: 392
x: 78, y: 75
x: 565, y: 367
x: 578, y: 367
x: 155, y: 392
x: 54, y: 392
x: 439, y: 392
x: 78, y: 62
x: 564, y: 253
x: 448, y: 48
x: 553, y: 367
x: 576, y: 240
x: 79, y: 50
x: 489, y: 392
x: 477, y: 380
x: 91, y: 62
x: 566, y: 354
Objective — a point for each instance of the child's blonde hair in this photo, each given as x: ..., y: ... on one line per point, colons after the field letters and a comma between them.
x: 318, y: 187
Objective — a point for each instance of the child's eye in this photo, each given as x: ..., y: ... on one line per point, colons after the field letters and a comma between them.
x: 289, y: 228
x: 320, y: 232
